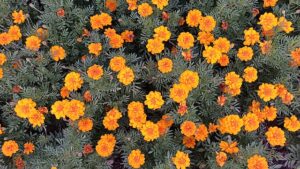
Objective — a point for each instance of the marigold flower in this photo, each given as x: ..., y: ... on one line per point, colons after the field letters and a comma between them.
x: 181, y: 160
x: 9, y: 148
x: 99, y: 21
x: 42, y: 33
x: 182, y: 109
x: 292, y: 123
x: 185, y: 40
x: 245, y: 53
x: 114, y: 113
x: 193, y: 17
x: 265, y: 47
x: 58, y: 109
x: 116, y: 41
x: 295, y: 54
x: 111, y: 5
x: 229, y: 147
x: 95, y: 48
x: 267, y: 92
x: 205, y: 38
x: 137, y: 120
x: 187, y: 55
x: 257, y: 161
x: 117, y: 63
x: 136, y: 158
x: 154, y: 100
x: 251, y: 122
x: 135, y: 108
x: 275, y: 136
x: 251, y: 37
x: 207, y: 24
x: 74, y: 109
x: 106, y: 145
x: 268, y: 21
x: 250, y: 74
x: 285, y: 25
x: 155, y: 46
x: 73, y: 81
x: 188, y: 128
x: 109, y: 32
x: 110, y: 123
x: 18, y: 17
x: 87, y: 149
x: 223, y: 60
x: 19, y: 162
x: 221, y: 158
x: 15, y: 33
x: 25, y: 107
x: 5, y: 38
x: 57, y: 53
x: 189, y: 142
x: 230, y: 124
x: 165, y: 65
x: 270, y: 113
x: 201, y: 133
x: 60, y: 12
x: 2, y: 59
x: 87, y: 96
x: 150, y: 131
x: 211, y: 54
x: 190, y: 79
x: 233, y: 80
x: 127, y: 36
x: 212, y: 128
x: 162, y: 33
x: 179, y: 93
x: 222, y: 44
x: 269, y: 3
x: 95, y: 72
x: 132, y: 4
x: 164, y: 123
x: 33, y: 43
x: 28, y: 148
x: 85, y: 124
x: 36, y: 118
x: 145, y: 10
x: 160, y: 3
x: 126, y: 76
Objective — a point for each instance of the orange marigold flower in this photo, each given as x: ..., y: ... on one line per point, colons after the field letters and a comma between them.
x: 74, y: 109
x: 64, y: 92
x: 99, y: 21
x: 58, y: 109
x: 25, y: 107
x: 87, y: 149
x: 145, y: 10
x: 275, y: 136
x: 111, y: 5
x: 181, y: 160
x: 268, y: 21
x: 295, y: 54
x: 292, y: 123
x: 132, y: 4
x: 127, y: 36
x: 269, y: 3
x: 223, y: 60
x: 116, y: 41
x: 73, y: 81
x: 201, y: 133
x: 233, y: 80
x: 106, y: 145
x: 9, y: 148
x: 205, y: 38
x: 154, y: 100
x: 110, y: 123
x: 266, y: 47
x: 15, y: 33
x: 150, y: 131
x: 95, y: 72
x: 28, y: 148
x: 270, y: 113
x: 162, y: 33
x: 212, y: 128
x: 188, y: 128
x: 5, y: 38
x: 187, y: 55
x: 251, y: 37
x: 190, y: 79
x: 33, y: 43
x: 155, y: 46
x: 207, y: 24
x: 60, y: 12
x: 285, y: 25
x: 179, y: 93
x: 185, y: 40
x: 267, y: 92
x: 245, y: 53
x: 257, y: 161
x: 189, y: 142
x: 117, y: 63
x: 221, y: 158
x: 18, y: 17
x: 2, y: 58
x: 182, y: 109
x: 229, y: 147
x: 250, y: 74
x: 193, y: 17
x: 137, y: 120
x: 126, y: 76
x: 165, y: 65
x: 87, y: 96
x: 222, y: 44
x: 95, y: 48
x: 251, y: 122
x: 36, y: 118
x: 57, y: 53
x: 160, y: 3
x: 211, y: 54
x: 109, y: 32
x: 136, y: 158
x: 85, y: 124
x: 230, y: 124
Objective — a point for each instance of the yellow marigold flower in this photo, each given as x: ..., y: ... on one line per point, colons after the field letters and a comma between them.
x: 222, y: 44
x: 33, y: 43
x: 109, y: 32
x: 193, y: 17
x: 268, y: 21
x: 136, y: 158
x: 230, y: 124
x: 95, y: 48
x: 205, y: 38
x: 257, y: 161
x: 9, y: 148
x: 233, y: 80
x: 162, y: 33
x: 285, y: 25
x: 160, y: 3
x: 36, y: 118
x: 250, y: 74
x: 251, y: 122
x: 127, y: 36
x: 5, y: 38
x: 181, y: 160
x: 132, y: 4
x: 85, y: 124
x: 295, y: 54
x: 265, y: 47
x: 111, y: 5
x: 165, y: 65
x: 2, y: 58
x: 28, y: 148
x: 64, y: 92
x: 179, y: 93
x: 57, y: 53
x: 106, y: 145
x: 292, y: 123
x: 185, y: 40
x: 154, y: 100
x: 126, y: 76
x: 245, y: 53
x: 229, y: 147
x: 150, y: 131
x: 73, y: 81
x: 25, y: 107
x: 207, y: 24
x: 269, y: 3
x: 117, y: 63
x: 267, y: 92
x: 145, y: 10
x: 95, y: 72
x: 221, y: 158
x: 188, y: 128
x: 137, y: 117
x: 211, y: 54
x: 58, y: 109
x: 15, y: 33
x: 251, y: 37
x: 18, y: 17
x: 270, y: 113
x: 114, y: 113
x: 110, y: 123
x: 275, y: 136
x: 190, y: 79
x: 224, y: 60
x: 99, y: 21
x: 155, y: 46
x: 201, y: 133
x: 135, y: 108
x: 189, y: 142
x: 74, y: 109
x: 116, y: 41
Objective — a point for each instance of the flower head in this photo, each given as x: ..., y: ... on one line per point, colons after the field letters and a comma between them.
x: 205, y: 38
x: 73, y: 81
x: 190, y: 79
x: 145, y: 10
x: 33, y: 43
x: 154, y: 100
x: 99, y: 21
x: 126, y: 76
x: 9, y: 148
x: 95, y: 72
x: 222, y: 44
x: 251, y: 36
x: 245, y: 53
x: 275, y: 136
x: 211, y: 54
x: 221, y: 158
x: 155, y: 46
x: 85, y: 124
x: 106, y: 145
x: 25, y: 107
x: 179, y: 93
x: 18, y: 17
x: 15, y: 33
x: 160, y: 3
x: 201, y: 133
x: 230, y: 124
x: 57, y: 53
x: 292, y: 123
x: 136, y: 158
x: 150, y: 131
x: 95, y: 48
x: 267, y: 92
x: 251, y: 122
x: 28, y: 148
x: 250, y: 74
x: 165, y: 65
x: 229, y: 147
x: 207, y: 24
x: 185, y: 40
x: 162, y: 33
x: 181, y: 160
x: 268, y: 21
x: 193, y: 17
x: 257, y: 161
x: 188, y: 128
x: 36, y: 118
x: 74, y: 109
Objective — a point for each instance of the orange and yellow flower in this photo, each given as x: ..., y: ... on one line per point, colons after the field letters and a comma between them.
x: 58, y: 109
x: 15, y: 33
x: 268, y: 21
x: 193, y: 17
x: 207, y: 24
x: 150, y: 131
x: 25, y: 107
x: 188, y: 128
x: 117, y: 63
x: 179, y: 93
x: 250, y: 74
x: 165, y: 65
x: 221, y: 158
x: 57, y: 53
x: 267, y: 92
x: 222, y: 44
x: 106, y: 145
x: 185, y: 40
x: 245, y: 53
x: 74, y: 109
x: 181, y: 160
x: 189, y: 142
x: 85, y: 124
x: 211, y: 54
x: 155, y: 46
x: 5, y: 39
x: 190, y: 79
x: 251, y: 122
x: 160, y: 3
x: 145, y: 10
x: 95, y: 48
x: 3, y: 59
x: 205, y: 38
x: 162, y: 33
x: 28, y: 148
x: 33, y: 43
x: 95, y: 72
x: 99, y: 21
x: 285, y: 25
x: 275, y: 136
x: 136, y: 158
x: 224, y: 60
x: 73, y: 81
x: 269, y: 3
x: 201, y: 133
x: 9, y: 148
x: 230, y: 124
x: 292, y: 123
x: 251, y: 37
x: 18, y: 17
x: 154, y: 100
x: 257, y: 162
x: 126, y: 76
x: 36, y: 118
